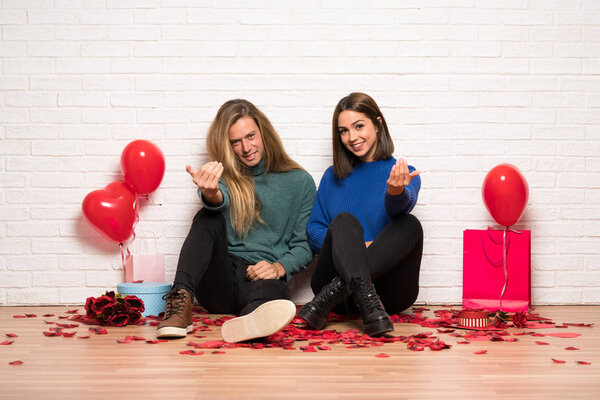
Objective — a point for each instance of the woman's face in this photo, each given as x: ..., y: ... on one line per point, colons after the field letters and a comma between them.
x: 358, y: 134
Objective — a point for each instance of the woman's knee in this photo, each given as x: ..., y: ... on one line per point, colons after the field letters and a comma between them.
x: 345, y: 220
x: 410, y: 223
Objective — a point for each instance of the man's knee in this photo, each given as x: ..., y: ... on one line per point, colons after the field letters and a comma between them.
x: 213, y: 221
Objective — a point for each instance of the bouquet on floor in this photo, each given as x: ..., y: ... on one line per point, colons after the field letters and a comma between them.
x: 114, y: 310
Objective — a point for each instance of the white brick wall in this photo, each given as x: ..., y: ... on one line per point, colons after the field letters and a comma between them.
x: 465, y: 85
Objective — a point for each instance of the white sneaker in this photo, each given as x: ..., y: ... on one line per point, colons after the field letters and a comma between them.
x: 267, y: 319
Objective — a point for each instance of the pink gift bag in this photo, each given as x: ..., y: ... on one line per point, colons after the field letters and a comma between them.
x: 492, y: 281
x: 144, y: 266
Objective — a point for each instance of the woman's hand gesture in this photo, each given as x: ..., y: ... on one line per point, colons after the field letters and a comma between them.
x: 399, y: 177
x: 207, y: 180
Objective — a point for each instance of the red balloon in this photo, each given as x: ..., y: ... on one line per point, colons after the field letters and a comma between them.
x: 505, y: 194
x: 143, y: 166
x: 111, y: 211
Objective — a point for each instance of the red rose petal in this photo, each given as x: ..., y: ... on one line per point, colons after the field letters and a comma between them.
x: 564, y: 335
x: 323, y: 347
x: 514, y: 339
x: 480, y: 352
x: 152, y: 341
x: 16, y: 362
x: 83, y: 337
x: 19, y: 316
x: 382, y: 355
x: 123, y: 341
x: 48, y: 315
x: 558, y: 361
x: 72, y: 311
x: 571, y: 348
x: 542, y: 343
x: 6, y: 342
x: 12, y: 335
x: 463, y: 342
x: 69, y: 334
x: 30, y: 315
x: 218, y: 352
x: 583, y: 362
x: 138, y: 281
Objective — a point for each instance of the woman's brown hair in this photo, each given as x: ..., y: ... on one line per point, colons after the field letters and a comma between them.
x: 343, y: 159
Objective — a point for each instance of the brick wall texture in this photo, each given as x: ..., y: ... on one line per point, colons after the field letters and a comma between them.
x: 465, y: 85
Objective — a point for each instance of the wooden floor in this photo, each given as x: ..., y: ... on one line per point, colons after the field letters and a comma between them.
x: 101, y: 368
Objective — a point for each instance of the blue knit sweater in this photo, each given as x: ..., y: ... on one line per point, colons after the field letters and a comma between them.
x: 363, y: 193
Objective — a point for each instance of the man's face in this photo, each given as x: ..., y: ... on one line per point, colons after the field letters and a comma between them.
x: 246, y: 141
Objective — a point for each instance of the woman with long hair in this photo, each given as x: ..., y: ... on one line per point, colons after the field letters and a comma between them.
x: 250, y: 236
x: 369, y: 244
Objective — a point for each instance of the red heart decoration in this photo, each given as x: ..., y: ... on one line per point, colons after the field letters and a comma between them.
x: 111, y: 211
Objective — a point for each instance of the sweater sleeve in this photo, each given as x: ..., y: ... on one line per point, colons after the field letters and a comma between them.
x: 221, y: 207
x: 405, y: 202
x: 299, y: 254
x: 319, y: 220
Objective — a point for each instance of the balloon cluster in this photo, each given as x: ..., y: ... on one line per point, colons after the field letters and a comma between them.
x: 505, y: 193
x: 113, y: 211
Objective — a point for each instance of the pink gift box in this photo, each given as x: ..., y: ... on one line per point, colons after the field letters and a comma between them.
x: 145, y: 267
x: 144, y: 264
x: 489, y: 282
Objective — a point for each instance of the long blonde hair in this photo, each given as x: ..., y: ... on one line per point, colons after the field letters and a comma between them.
x: 244, y: 206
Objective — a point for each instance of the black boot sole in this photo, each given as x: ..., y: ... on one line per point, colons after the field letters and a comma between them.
x: 378, y: 327
x: 313, y: 319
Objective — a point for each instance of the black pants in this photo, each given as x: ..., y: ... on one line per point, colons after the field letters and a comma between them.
x: 392, y: 262
x: 217, y: 278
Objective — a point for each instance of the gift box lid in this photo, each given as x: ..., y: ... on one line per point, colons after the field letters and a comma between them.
x: 143, y: 287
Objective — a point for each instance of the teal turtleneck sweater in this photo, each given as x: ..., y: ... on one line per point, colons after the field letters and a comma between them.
x: 287, y: 199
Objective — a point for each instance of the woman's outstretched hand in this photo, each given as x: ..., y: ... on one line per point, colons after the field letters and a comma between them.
x: 400, y: 177
x: 207, y: 179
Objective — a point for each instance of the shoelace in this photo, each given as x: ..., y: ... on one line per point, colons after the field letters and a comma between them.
x: 370, y: 300
x: 175, y: 303
x: 332, y: 291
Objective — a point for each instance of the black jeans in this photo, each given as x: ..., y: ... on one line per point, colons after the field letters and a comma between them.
x: 217, y: 278
x: 392, y: 262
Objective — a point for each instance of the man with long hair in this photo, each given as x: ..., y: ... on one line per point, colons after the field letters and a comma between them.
x: 250, y: 236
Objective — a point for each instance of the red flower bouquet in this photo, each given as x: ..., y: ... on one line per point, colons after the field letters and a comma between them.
x: 114, y: 310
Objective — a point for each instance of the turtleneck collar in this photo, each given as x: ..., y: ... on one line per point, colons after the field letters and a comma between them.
x: 258, y: 169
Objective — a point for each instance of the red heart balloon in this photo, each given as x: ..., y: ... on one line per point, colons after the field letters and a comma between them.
x: 143, y: 166
x: 111, y: 211
x: 505, y: 194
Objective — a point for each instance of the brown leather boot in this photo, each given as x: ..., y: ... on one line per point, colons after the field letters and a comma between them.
x: 177, y: 322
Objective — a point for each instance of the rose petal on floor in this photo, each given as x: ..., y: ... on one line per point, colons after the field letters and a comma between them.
x: 16, y: 362
x: 558, y: 361
x: 382, y: 355
x: 564, y: 335
x: 480, y: 352
x: 541, y: 343
x: 571, y: 348
x: 583, y: 362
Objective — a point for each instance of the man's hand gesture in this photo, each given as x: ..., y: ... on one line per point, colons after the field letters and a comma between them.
x: 207, y: 180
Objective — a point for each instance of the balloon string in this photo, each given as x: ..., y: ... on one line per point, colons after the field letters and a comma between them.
x: 122, y: 255
x: 504, y: 257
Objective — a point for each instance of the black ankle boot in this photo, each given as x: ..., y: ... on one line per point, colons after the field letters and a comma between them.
x: 316, y: 311
x: 375, y: 319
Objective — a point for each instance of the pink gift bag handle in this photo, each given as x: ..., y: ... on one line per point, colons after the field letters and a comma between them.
x: 505, y: 243
x: 501, y: 262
